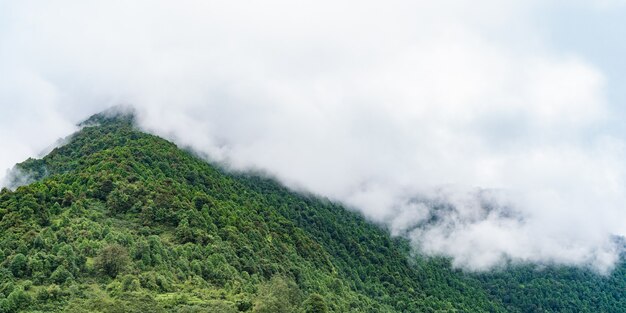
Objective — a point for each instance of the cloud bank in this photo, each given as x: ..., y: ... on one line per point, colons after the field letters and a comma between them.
x: 455, y: 123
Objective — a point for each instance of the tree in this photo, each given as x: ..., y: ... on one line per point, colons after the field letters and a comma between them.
x: 19, y: 265
x: 184, y: 233
x: 44, y: 216
x: 104, y: 189
x: 279, y: 295
x: 315, y: 304
x: 60, y: 275
x: 120, y: 200
x: 18, y: 299
x: 112, y: 259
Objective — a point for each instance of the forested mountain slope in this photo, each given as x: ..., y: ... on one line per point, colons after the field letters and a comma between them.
x: 118, y: 220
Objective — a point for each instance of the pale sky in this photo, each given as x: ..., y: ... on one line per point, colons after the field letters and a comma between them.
x: 379, y: 105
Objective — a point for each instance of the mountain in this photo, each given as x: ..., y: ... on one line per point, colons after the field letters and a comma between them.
x: 118, y: 220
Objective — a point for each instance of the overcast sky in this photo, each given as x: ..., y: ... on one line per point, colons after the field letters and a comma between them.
x: 387, y: 106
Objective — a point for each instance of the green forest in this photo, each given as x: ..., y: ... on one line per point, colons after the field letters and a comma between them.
x: 118, y: 220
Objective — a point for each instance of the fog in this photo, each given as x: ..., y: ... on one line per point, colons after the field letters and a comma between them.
x: 462, y: 125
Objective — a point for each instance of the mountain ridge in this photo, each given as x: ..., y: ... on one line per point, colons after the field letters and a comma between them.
x: 197, y: 238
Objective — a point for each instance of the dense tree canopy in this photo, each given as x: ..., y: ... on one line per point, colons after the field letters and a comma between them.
x: 122, y: 221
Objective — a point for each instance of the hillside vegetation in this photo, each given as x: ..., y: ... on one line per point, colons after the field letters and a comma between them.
x: 118, y: 220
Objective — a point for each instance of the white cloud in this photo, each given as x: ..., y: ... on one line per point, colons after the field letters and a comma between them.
x: 378, y: 105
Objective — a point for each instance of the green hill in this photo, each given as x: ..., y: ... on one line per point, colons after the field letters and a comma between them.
x: 118, y: 220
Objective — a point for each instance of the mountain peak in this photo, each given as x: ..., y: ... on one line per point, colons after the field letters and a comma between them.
x: 119, y: 114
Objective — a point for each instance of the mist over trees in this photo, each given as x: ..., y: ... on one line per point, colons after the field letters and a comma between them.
x: 123, y: 221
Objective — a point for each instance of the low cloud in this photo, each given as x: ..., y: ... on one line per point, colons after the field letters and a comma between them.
x: 454, y: 123
x: 16, y: 177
